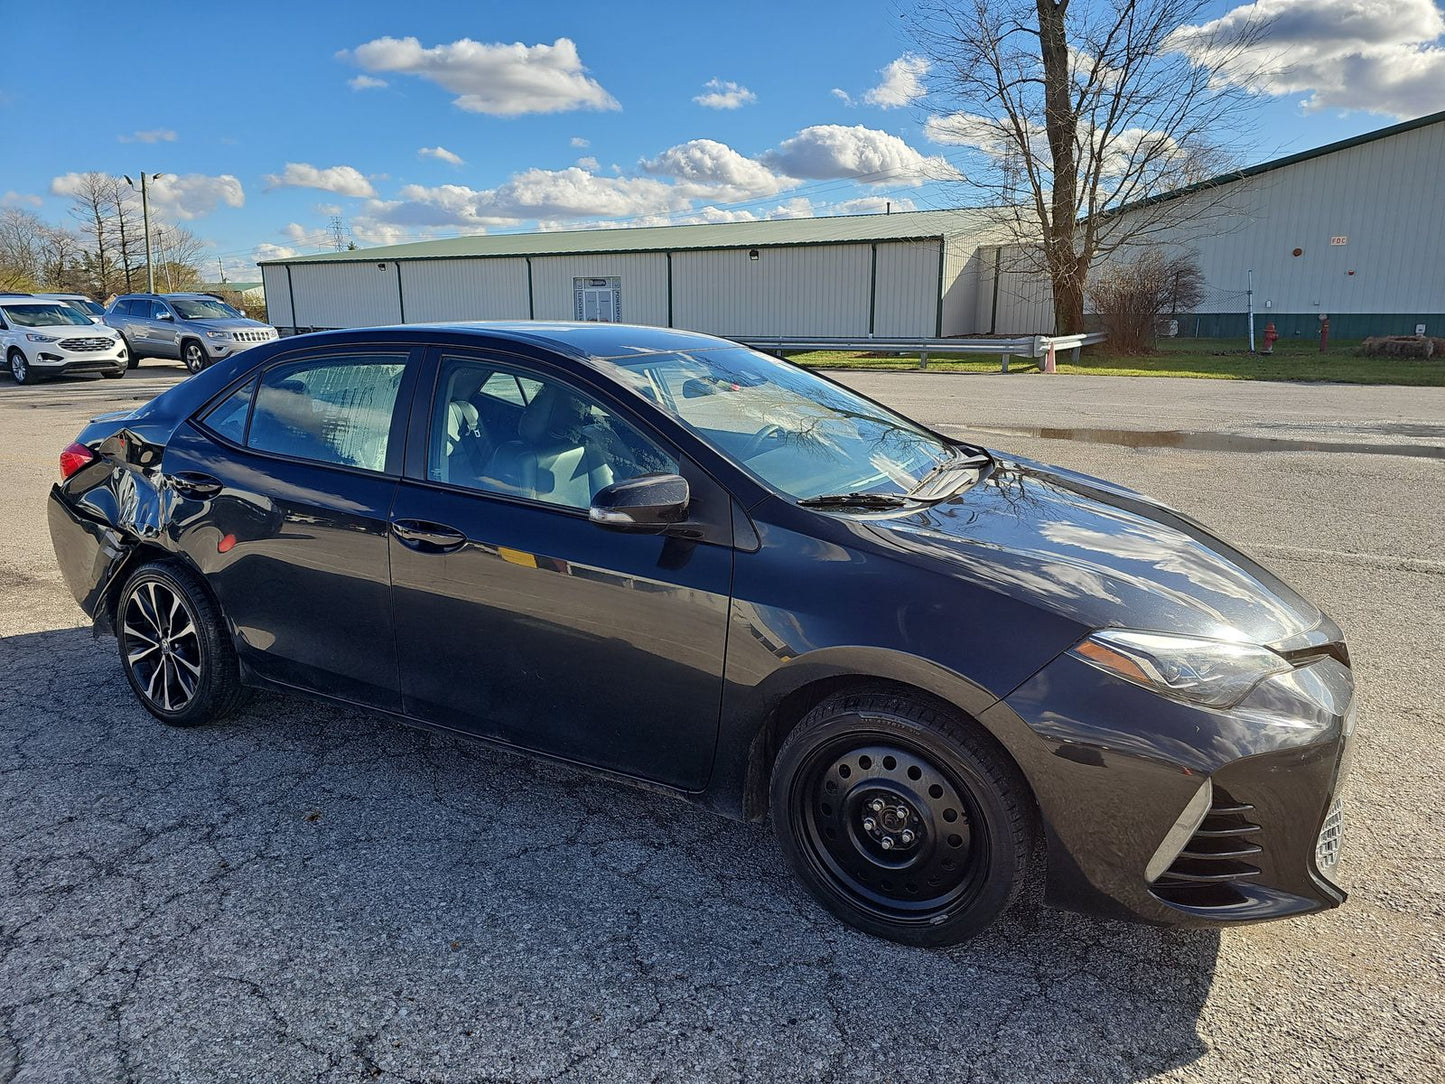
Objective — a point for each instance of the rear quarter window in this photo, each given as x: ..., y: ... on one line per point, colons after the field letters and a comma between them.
x: 228, y: 417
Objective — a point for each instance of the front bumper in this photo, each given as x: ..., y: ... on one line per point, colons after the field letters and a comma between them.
x: 52, y: 359
x: 1120, y: 775
x: 225, y: 348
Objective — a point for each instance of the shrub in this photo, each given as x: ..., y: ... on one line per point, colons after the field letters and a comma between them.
x: 1130, y: 298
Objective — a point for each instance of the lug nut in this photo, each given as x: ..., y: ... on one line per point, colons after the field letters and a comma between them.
x: 886, y: 843
x: 907, y: 836
x: 876, y: 805
x: 869, y: 824
x: 903, y: 812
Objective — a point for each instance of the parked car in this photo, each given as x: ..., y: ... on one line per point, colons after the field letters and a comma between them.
x: 94, y: 309
x: 725, y: 577
x: 198, y: 329
x: 41, y: 338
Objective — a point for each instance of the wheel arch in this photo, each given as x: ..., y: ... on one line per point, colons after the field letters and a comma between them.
x: 141, y: 553
x: 808, y: 681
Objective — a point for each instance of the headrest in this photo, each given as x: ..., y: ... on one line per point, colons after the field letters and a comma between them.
x: 554, y: 414
x: 461, y: 418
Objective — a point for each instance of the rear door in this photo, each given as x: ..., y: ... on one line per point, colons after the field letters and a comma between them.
x: 520, y: 620
x: 292, y: 475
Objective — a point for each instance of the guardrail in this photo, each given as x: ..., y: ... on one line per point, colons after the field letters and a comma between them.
x: 1033, y: 347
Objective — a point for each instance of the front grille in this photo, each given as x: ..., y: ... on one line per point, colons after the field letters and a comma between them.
x: 1332, y: 835
x: 252, y: 336
x: 1216, y: 860
x: 81, y: 345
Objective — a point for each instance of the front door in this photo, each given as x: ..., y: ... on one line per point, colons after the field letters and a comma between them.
x: 293, y: 476
x: 520, y: 620
x: 161, y: 331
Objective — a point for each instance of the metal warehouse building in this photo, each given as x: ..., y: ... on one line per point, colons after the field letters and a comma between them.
x: 1354, y: 231
x: 910, y: 274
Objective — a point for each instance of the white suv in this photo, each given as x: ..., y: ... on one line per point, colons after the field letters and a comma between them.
x: 40, y: 338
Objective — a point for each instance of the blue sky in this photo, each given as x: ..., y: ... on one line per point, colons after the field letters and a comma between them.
x: 270, y: 117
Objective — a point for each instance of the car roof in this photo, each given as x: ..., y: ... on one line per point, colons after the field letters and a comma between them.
x: 580, y: 340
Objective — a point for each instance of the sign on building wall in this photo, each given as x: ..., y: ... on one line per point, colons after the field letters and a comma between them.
x: 1339, y: 240
x: 598, y: 300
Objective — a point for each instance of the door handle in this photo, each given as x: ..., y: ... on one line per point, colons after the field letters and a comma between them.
x: 192, y: 483
x: 428, y: 537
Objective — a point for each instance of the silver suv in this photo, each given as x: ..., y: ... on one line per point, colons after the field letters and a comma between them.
x: 196, y: 328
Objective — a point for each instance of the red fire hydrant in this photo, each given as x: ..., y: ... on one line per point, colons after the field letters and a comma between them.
x: 1270, y: 335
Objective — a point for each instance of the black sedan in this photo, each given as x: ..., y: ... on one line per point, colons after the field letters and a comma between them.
x: 700, y: 568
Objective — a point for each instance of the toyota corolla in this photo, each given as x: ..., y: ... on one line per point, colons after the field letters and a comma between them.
x: 699, y: 568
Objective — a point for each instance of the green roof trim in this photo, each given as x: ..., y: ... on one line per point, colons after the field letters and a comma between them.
x: 839, y: 229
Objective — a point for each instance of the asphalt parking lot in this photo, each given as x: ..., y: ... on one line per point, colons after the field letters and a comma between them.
x: 307, y: 893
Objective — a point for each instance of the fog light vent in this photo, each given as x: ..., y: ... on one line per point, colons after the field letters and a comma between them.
x: 1218, y: 857
x: 1332, y: 836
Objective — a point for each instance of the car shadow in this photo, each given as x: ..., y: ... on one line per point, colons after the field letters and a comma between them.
x: 314, y: 889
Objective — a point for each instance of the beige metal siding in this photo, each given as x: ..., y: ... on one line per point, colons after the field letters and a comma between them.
x: 345, y: 294
x: 906, y: 301
x: 278, y: 297
x: 813, y: 290
x: 962, y: 267
x: 494, y: 289
x: 644, y: 285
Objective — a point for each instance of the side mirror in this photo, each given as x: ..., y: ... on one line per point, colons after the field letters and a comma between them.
x: 696, y: 389
x: 164, y: 315
x: 96, y: 320
x: 646, y: 505
x: 243, y: 312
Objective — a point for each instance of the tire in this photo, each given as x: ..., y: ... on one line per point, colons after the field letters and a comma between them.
x: 866, y: 767
x: 193, y: 355
x: 165, y: 612
x: 132, y: 359
x: 19, y: 368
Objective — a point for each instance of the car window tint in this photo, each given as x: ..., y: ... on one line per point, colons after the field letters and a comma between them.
x: 545, y: 441
x: 337, y: 410
x: 228, y: 417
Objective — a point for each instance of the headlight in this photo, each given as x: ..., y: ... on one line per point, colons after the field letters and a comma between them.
x: 1217, y: 673
x: 33, y: 337
x: 218, y: 334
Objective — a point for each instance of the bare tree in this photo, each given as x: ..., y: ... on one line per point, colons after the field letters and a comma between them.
x: 22, y: 247
x: 1070, y: 114
x: 93, y: 207
x: 1131, y: 296
x: 129, y: 234
x: 176, y: 253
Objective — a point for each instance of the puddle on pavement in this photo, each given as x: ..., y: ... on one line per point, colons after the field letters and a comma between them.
x: 1213, y: 442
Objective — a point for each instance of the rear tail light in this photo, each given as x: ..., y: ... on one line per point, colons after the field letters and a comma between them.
x: 73, y: 458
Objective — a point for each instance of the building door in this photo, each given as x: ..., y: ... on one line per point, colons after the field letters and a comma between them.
x: 598, y: 300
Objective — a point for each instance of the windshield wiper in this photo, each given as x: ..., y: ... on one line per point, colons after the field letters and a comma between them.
x: 855, y: 500
x: 959, y: 462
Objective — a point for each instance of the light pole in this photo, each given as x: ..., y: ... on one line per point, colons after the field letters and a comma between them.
x: 145, y: 214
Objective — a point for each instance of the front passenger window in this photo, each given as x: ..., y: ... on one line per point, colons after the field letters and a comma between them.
x: 499, y: 431
x: 337, y: 410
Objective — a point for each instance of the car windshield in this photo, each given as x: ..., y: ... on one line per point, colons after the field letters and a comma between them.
x: 802, y: 435
x: 50, y: 314
x: 203, y: 308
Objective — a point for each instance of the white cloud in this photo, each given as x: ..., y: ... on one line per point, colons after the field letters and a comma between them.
x: 328, y: 209
x: 588, y: 163
x: 872, y: 205
x: 902, y: 83
x: 712, y: 170
x: 720, y: 94
x: 441, y: 154
x: 1381, y: 56
x: 267, y: 251
x: 502, y: 80
x: 343, y: 180
x: 986, y: 134
x: 20, y: 199
x: 580, y: 143
x: 842, y: 95
x: 299, y: 234
x: 366, y: 82
x: 828, y: 151
x: 151, y: 135
x: 183, y: 197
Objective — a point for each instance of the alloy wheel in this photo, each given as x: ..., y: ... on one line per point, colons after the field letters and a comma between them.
x: 195, y: 357
x: 889, y: 828
x: 18, y: 368
x: 162, y: 645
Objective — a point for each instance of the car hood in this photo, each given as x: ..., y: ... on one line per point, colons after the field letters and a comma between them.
x: 1104, y: 555
x: 226, y: 325
x: 68, y: 331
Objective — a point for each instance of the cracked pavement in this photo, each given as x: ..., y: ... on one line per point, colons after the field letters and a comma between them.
x: 307, y: 893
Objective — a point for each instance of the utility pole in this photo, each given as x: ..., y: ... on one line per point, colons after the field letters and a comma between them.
x: 1249, y: 294
x: 222, y: 269
x: 145, y: 211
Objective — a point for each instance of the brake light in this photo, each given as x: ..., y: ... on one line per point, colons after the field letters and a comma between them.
x: 73, y: 458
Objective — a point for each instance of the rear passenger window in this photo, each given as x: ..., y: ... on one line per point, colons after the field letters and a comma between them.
x: 228, y: 417
x: 336, y: 411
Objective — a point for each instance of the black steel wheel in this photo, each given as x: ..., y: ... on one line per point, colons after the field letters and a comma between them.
x: 176, y: 652
x: 194, y: 355
x: 901, y: 819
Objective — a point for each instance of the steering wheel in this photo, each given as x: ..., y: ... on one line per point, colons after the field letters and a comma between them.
x: 755, y: 443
